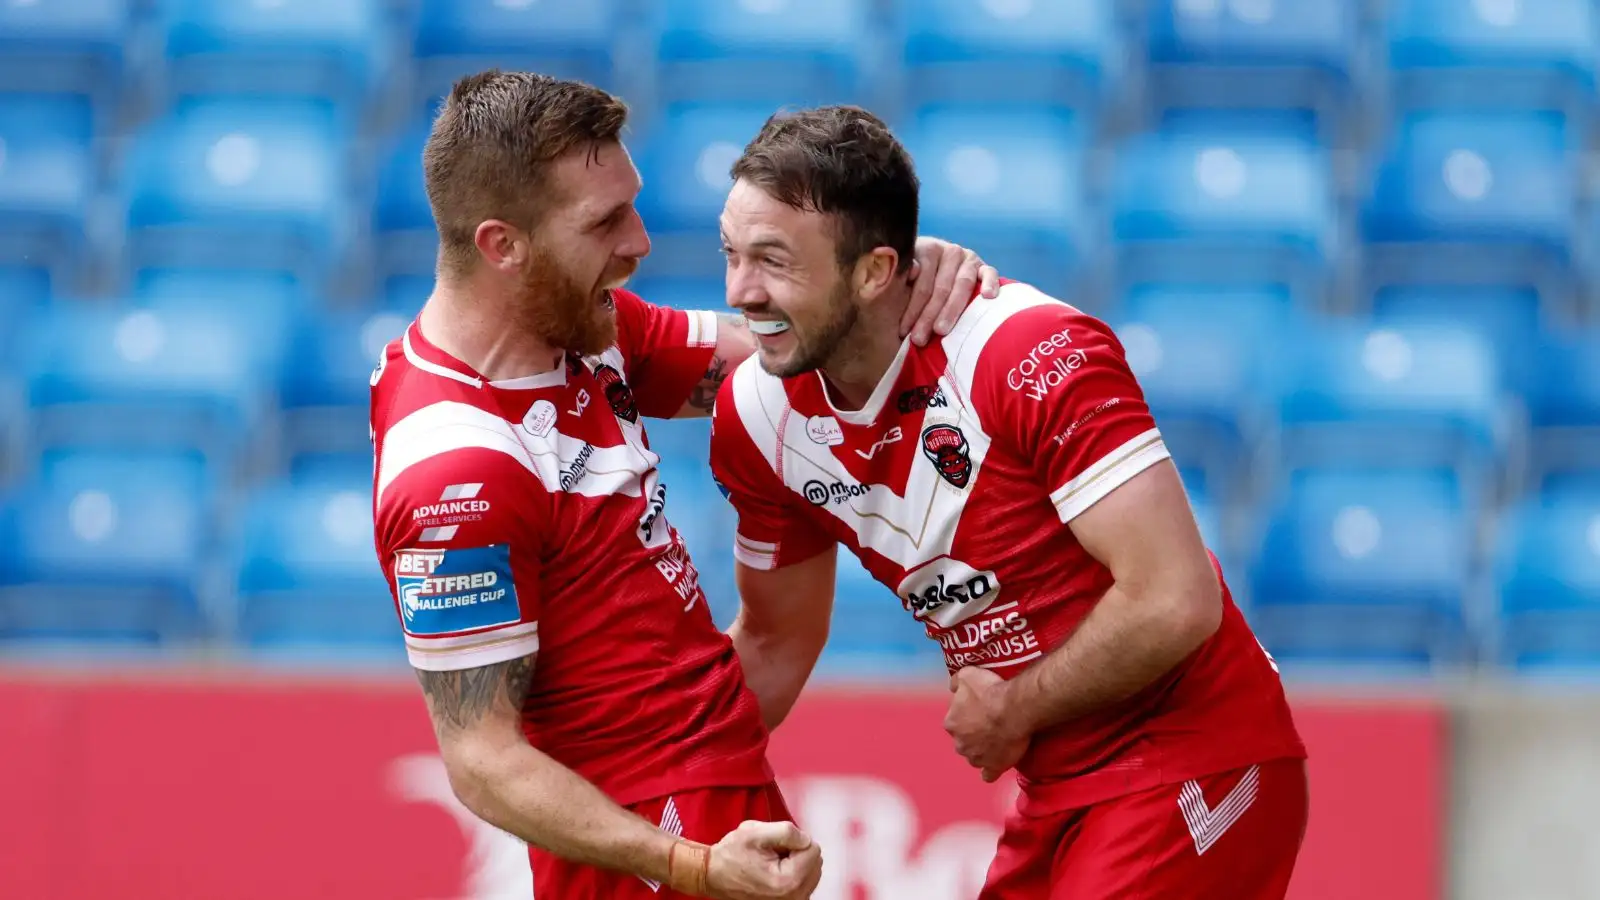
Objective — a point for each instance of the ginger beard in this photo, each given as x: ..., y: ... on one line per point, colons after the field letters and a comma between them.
x: 817, y: 335
x: 562, y: 311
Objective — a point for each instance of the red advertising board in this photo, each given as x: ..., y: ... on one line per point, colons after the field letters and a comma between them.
x: 241, y: 790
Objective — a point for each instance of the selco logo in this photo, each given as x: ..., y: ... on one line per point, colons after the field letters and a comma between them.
x: 821, y: 494
x: 1042, y: 370
x: 948, y: 591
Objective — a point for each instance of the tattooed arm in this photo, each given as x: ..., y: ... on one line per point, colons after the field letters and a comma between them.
x: 496, y: 773
x: 734, y: 346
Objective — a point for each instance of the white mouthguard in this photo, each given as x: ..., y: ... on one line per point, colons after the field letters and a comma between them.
x: 768, y: 326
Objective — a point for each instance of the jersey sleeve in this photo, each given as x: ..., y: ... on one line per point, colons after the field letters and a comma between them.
x: 462, y: 559
x: 667, y: 352
x: 1055, y: 384
x: 771, y: 533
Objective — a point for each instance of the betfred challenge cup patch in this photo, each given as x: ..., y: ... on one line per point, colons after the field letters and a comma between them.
x: 946, y: 447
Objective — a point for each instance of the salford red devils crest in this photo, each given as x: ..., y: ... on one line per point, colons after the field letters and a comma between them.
x: 618, y: 394
x: 946, y: 446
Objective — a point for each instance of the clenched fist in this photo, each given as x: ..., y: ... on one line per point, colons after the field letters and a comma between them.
x: 764, y: 861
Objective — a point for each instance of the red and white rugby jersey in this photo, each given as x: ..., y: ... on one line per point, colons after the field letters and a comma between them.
x: 527, y: 516
x: 953, y: 486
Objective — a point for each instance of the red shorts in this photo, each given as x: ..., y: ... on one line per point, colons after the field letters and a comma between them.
x: 704, y: 815
x: 1233, y: 835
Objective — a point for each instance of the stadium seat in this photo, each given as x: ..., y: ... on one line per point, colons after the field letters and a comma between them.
x: 684, y: 446
x: 1495, y: 191
x: 569, y: 40
x: 1492, y: 52
x: 1009, y: 183
x: 23, y: 290
x: 334, y: 467
x: 1548, y: 571
x: 405, y: 294
x: 327, y: 384
x: 307, y: 577
x: 221, y: 285
x: 47, y: 175
x: 1564, y: 402
x: 257, y: 183
x: 1210, y: 361
x: 64, y: 45
x: 1214, y: 54
x: 100, y: 547
x: 697, y: 509
x: 173, y: 374
x: 1507, y: 318
x: 1366, y: 566
x: 685, y: 163
x: 762, y: 51
x: 1402, y: 395
x: 339, y: 49
x: 407, y: 241
x: 1230, y: 197
x: 1010, y: 51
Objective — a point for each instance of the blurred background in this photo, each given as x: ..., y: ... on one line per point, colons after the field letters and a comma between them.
x: 1350, y: 247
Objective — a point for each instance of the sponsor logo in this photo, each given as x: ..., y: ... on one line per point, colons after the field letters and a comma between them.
x: 679, y: 571
x: 540, y: 419
x: 377, y: 372
x: 1046, y: 367
x: 1062, y: 438
x: 574, y: 473
x: 821, y: 494
x: 446, y: 591
x: 894, y: 435
x: 824, y: 430
x: 458, y: 503
x: 926, y: 396
x: 581, y: 403
x: 652, y: 515
x: 617, y: 392
x: 946, y: 447
x: 948, y: 591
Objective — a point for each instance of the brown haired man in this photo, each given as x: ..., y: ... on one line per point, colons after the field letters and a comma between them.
x: 582, y: 696
x: 1010, y: 485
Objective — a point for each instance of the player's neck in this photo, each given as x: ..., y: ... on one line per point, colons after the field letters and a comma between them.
x: 467, y: 322
x: 866, y: 353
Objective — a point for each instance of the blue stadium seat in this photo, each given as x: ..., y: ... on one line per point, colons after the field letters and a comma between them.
x: 333, y: 48
x: 1007, y: 182
x: 334, y: 467
x: 1403, y: 395
x: 1210, y: 361
x: 174, y: 374
x: 1503, y: 184
x: 1210, y: 53
x: 405, y: 294
x: 568, y: 40
x: 1368, y: 566
x: 1230, y: 197
x: 684, y: 446
x: 1548, y: 570
x: 770, y: 51
x: 407, y: 239
x: 221, y: 285
x: 697, y: 509
x: 47, y: 175
x: 1060, y: 53
x: 1507, y: 318
x: 23, y: 290
x: 307, y: 577
x: 106, y: 547
x: 1504, y: 52
x: 685, y: 164
x: 327, y: 381
x: 63, y: 45
x: 244, y: 183
x: 1564, y: 403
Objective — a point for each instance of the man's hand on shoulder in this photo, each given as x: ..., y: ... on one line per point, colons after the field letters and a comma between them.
x: 944, y: 277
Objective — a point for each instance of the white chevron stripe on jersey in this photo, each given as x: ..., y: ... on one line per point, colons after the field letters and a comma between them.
x: 963, y: 346
x: 1206, y: 825
x: 560, y: 462
x: 909, y: 529
x: 671, y: 824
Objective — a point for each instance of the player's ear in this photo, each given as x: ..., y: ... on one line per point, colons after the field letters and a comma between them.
x: 502, y: 245
x: 875, y: 272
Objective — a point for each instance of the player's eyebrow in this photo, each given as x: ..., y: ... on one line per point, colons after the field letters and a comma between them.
x: 599, y: 220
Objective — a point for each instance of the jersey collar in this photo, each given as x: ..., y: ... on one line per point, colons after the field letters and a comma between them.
x: 423, y: 355
x: 868, y: 413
